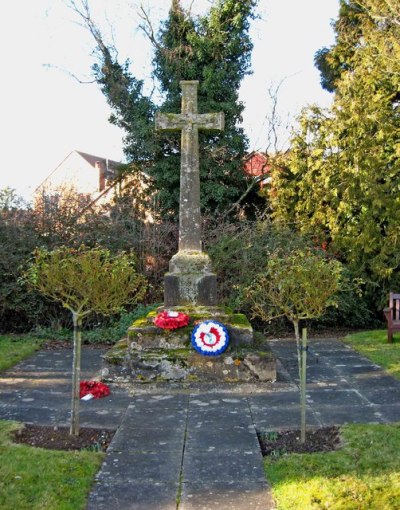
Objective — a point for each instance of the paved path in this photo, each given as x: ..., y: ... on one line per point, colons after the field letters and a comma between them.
x: 197, y: 449
x: 200, y: 451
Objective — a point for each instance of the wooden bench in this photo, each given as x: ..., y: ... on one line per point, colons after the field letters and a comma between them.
x: 392, y: 314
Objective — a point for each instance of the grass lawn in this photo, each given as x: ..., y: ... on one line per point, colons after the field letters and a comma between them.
x: 38, y: 479
x: 15, y: 348
x: 364, y: 475
x: 373, y: 345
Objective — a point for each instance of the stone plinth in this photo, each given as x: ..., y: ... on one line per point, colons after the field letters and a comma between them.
x: 184, y: 365
x: 151, y: 354
x: 190, y: 280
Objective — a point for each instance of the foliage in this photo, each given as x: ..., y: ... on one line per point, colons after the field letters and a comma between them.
x: 239, y: 251
x: 332, y: 62
x: 341, y: 179
x: 65, y: 219
x: 58, y: 216
x: 214, y: 49
x: 122, y: 225
x: 38, y: 479
x: 20, y: 307
x: 104, y: 333
x: 373, y: 345
x: 86, y: 280
x: 10, y: 200
x: 15, y: 348
x: 365, y: 473
x: 360, y: 23
x: 351, y: 309
x: 298, y: 285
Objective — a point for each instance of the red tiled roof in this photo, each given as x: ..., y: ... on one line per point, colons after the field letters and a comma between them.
x: 92, y: 160
x: 256, y: 164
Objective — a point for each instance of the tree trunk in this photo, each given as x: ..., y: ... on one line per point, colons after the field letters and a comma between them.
x: 303, y: 379
x: 76, y: 374
x: 297, y: 336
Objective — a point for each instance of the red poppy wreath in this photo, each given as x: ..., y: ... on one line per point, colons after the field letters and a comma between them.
x: 95, y: 388
x: 171, y: 320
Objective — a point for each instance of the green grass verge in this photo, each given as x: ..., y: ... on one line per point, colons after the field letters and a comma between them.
x: 38, y: 479
x: 364, y: 475
x: 373, y: 345
x: 15, y: 348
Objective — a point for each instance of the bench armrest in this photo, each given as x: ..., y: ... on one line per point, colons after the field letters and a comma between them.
x: 388, y: 315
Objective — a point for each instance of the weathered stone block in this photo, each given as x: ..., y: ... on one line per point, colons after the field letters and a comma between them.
x: 190, y: 289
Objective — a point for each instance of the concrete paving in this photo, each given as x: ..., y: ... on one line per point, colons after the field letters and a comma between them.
x: 196, y: 448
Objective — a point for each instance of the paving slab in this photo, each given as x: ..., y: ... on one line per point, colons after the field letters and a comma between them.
x: 35, y: 415
x: 245, y: 495
x: 235, y: 438
x: 343, y: 380
x: 148, y: 439
x: 381, y: 396
x: 283, y: 418
x: 373, y: 381
x: 340, y: 415
x: 335, y: 396
x: 149, y: 467
x: 117, y: 495
x: 391, y: 413
x: 38, y: 390
x: 223, y: 466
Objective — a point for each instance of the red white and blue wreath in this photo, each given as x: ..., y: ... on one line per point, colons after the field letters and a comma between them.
x: 210, y: 338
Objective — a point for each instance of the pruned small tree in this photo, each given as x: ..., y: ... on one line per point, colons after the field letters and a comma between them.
x: 299, y: 285
x: 85, y: 281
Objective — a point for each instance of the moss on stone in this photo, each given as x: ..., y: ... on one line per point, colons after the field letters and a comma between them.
x: 239, y: 320
x: 140, y: 323
x: 115, y: 360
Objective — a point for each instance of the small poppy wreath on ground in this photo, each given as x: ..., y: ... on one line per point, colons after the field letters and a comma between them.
x: 171, y: 320
x: 95, y: 388
x: 210, y: 338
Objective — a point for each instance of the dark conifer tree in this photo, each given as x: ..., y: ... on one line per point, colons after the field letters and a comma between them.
x: 214, y: 49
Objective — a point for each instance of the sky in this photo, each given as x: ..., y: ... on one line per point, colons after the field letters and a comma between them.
x: 46, y: 112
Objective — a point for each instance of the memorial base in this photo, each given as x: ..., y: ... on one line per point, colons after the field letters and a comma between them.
x: 152, y: 355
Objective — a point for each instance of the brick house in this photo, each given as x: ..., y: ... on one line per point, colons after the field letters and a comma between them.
x: 256, y: 165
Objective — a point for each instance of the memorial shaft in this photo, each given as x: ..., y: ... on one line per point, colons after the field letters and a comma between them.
x: 189, y: 122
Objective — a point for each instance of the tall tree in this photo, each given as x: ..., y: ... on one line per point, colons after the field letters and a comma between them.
x: 214, y: 49
x: 332, y: 62
x: 342, y: 177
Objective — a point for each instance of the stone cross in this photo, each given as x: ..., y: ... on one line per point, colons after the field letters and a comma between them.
x: 189, y: 122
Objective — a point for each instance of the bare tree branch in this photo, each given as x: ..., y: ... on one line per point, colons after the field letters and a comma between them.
x: 83, y: 11
x: 255, y: 181
x: 274, y: 120
x: 69, y: 73
x: 147, y: 27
